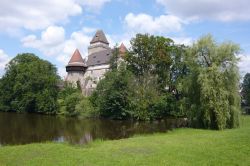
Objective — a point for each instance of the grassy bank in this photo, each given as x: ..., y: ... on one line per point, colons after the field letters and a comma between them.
x: 180, y: 147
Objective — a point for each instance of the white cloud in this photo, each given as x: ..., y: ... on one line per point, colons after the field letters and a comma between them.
x: 53, y: 35
x: 244, y: 64
x: 94, y: 5
x: 36, y: 14
x: 223, y: 10
x: 52, y: 42
x: 188, y: 41
x: 4, y: 59
x: 144, y: 23
x: 33, y: 15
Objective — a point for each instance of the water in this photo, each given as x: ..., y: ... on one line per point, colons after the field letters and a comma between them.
x: 30, y: 128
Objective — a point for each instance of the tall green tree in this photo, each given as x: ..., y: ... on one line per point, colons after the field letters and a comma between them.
x: 150, y: 56
x: 29, y: 85
x: 112, y: 96
x: 246, y: 89
x: 159, y: 67
x: 212, y: 85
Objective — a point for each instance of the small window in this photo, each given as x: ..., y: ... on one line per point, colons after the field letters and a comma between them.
x: 98, y: 61
x: 94, y: 56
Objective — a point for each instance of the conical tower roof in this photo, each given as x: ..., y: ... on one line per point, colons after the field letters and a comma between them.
x: 122, y: 49
x: 99, y: 37
x: 76, y: 59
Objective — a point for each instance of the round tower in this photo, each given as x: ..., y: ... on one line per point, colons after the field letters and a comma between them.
x: 76, y: 68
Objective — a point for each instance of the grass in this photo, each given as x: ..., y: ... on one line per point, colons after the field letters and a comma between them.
x: 179, y: 147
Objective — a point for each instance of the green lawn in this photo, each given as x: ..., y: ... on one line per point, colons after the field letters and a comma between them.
x: 180, y: 147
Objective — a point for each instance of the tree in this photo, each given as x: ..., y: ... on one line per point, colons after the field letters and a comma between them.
x: 150, y: 56
x: 212, y: 86
x: 29, y: 85
x: 112, y: 95
x: 159, y: 67
x: 73, y: 103
x: 114, y: 60
x: 246, y: 89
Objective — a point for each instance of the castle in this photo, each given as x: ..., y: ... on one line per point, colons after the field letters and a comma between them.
x: 89, y: 71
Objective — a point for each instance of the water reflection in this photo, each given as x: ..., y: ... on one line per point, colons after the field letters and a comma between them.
x: 30, y: 128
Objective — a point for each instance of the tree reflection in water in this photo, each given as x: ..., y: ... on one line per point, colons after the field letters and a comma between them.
x: 29, y: 128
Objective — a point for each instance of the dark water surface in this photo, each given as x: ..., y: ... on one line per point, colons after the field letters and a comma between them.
x: 29, y: 128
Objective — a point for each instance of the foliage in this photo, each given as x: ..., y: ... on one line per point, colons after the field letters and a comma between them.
x: 67, y: 90
x: 137, y: 88
x: 85, y: 108
x: 114, y: 60
x: 212, y: 85
x: 159, y: 67
x: 73, y: 103
x: 112, y: 95
x: 29, y: 85
x: 150, y: 55
x: 246, y: 89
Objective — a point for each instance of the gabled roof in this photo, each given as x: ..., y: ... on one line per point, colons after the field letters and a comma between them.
x: 98, y: 58
x: 76, y: 59
x: 99, y: 37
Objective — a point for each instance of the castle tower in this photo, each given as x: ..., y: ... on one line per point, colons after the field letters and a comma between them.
x: 122, y: 50
x: 75, y: 68
x: 98, y: 43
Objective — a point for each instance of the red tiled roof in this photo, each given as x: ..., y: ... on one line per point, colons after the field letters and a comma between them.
x: 122, y: 49
x: 76, y: 57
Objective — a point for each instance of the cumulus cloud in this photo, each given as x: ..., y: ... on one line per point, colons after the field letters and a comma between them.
x: 244, y: 64
x: 145, y: 23
x: 223, y: 10
x: 35, y: 15
x: 4, y: 59
x: 52, y: 42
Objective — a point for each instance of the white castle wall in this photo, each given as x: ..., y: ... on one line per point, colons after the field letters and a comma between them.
x: 92, y: 76
x: 75, y: 76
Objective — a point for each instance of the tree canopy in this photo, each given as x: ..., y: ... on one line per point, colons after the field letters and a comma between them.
x: 166, y: 79
x: 212, y: 85
x: 137, y: 88
x: 29, y: 85
x: 246, y: 89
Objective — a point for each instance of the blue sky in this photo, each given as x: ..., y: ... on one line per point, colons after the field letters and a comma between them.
x: 53, y: 29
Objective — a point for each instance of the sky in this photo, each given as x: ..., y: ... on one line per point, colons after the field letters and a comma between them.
x: 53, y: 29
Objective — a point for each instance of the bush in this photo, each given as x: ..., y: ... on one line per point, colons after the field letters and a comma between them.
x: 29, y: 85
x: 73, y: 103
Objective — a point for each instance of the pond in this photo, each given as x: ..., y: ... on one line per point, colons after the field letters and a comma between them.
x: 30, y: 128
